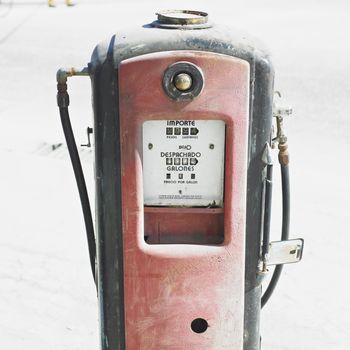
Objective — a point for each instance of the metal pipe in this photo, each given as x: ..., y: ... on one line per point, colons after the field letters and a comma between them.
x: 267, y: 159
x: 63, y: 74
x: 267, y: 211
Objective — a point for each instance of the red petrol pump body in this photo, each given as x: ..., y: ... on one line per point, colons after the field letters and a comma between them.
x: 183, y: 113
x: 169, y: 287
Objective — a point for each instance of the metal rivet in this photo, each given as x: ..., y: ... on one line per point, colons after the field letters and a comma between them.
x: 183, y: 81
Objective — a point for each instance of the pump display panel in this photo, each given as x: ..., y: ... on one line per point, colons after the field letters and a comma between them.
x: 183, y: 163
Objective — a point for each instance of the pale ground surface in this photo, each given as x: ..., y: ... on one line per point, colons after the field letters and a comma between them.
x: 47, y: 298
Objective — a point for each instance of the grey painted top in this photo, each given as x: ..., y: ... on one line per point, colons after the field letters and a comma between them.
x: 151, y: 38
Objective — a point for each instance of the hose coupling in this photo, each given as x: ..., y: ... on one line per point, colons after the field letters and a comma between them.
x: 62, y: 76
x: 62, y: 95
x: 283, y: 154
x: 280, y: 111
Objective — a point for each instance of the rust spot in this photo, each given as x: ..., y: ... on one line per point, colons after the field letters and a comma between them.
x: 283, y: 155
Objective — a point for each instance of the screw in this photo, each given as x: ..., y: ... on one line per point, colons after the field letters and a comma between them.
x: 211, y: 146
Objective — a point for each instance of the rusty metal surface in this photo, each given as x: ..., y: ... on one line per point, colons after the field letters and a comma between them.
x: 183, y: 225
x: 169, y: 286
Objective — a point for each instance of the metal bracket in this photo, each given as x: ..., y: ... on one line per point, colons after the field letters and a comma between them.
x: 280, y: 108
x: 285, y: 252
x: 280, y: 111
x: 89, y: 131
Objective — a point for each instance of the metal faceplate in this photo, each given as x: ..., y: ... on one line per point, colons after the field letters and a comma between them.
x: 183, y: 162
x: 285, y: 252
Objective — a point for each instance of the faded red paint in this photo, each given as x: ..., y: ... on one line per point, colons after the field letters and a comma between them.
x: 184, y: 225
x: 167, y: 286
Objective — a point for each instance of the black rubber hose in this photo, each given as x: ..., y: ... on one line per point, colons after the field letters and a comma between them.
x: 63, y: 99
x: 285, y: 232
x: 285, y: 202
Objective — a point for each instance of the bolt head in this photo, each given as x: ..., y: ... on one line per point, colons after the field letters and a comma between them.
x: 183, y: 81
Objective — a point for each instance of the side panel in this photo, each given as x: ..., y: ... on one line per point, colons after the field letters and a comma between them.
x: 108, y: 208
x: 262, y: 79
x: 167, y: 287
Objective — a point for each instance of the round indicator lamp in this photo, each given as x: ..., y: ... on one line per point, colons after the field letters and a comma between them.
x: 183, y: 81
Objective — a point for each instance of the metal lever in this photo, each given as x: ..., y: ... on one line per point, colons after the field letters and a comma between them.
x: 89, y: 131
x: 285, y: 252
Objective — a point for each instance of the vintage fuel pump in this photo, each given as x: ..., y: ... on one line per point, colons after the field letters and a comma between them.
x: 183, y: 115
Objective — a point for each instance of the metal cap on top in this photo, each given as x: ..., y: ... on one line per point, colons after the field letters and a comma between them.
x: 184, y: 19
